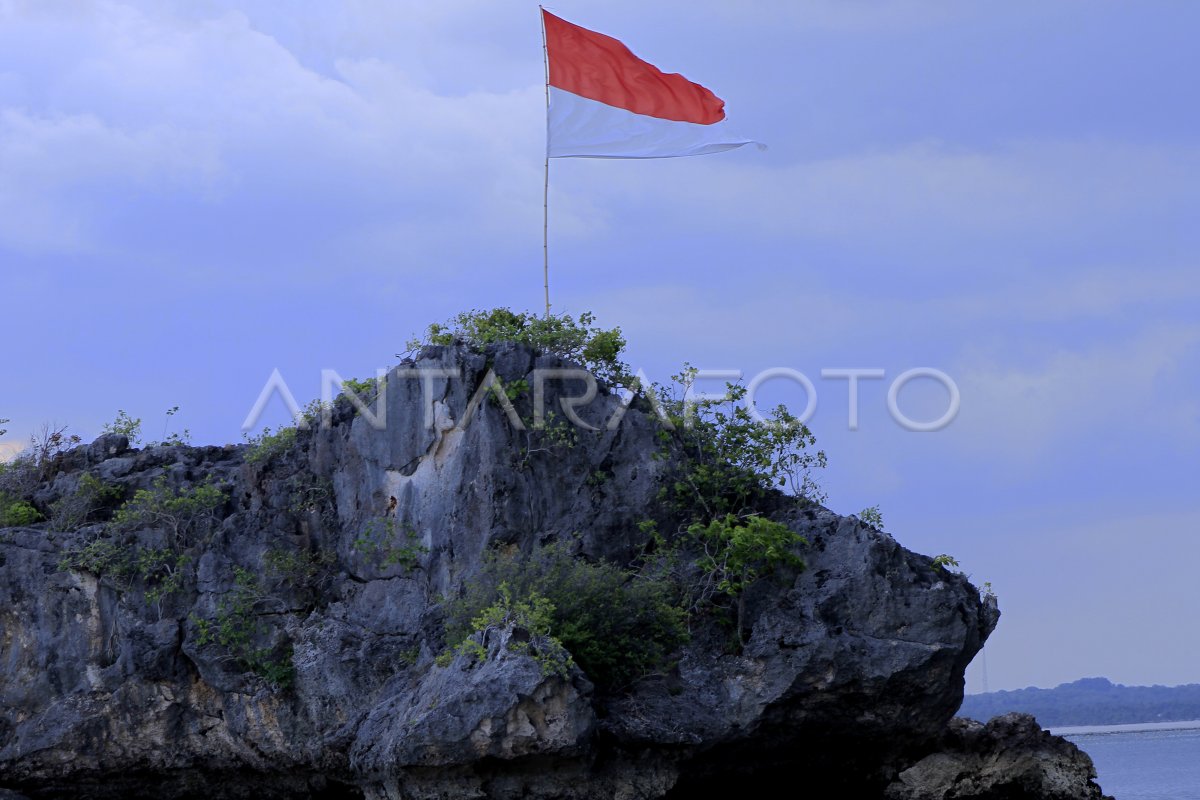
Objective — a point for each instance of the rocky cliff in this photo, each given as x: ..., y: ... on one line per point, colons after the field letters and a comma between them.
x: 269, y: 624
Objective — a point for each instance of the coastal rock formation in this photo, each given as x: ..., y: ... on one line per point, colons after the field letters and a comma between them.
x: 1010, y: 756
x: 291, y: 648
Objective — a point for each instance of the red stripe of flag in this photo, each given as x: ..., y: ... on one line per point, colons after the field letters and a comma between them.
x: 600, y: 68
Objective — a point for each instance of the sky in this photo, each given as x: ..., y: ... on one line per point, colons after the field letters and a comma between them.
x: 194, y: 194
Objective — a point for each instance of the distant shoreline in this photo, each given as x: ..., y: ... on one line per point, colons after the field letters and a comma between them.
x: 1131, y: 727
x: 1091, y: 702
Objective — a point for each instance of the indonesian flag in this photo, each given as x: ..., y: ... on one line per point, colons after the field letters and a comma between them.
x: 605, y: 102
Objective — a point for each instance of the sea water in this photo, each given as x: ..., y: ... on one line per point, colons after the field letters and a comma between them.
x: 1152, y: 761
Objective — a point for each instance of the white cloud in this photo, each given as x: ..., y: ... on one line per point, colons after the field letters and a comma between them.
x: 59, y: 171
x: 149, y: 110
x: 924, y: 195
x: 9, y: 450
x: 842, y: 15
x: 1025, y: 411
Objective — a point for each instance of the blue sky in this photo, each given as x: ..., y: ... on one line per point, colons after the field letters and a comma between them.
x: 193, y: 194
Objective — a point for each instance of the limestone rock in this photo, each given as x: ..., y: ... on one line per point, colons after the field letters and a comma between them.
x: 849, y: 674
x: 1009, y: 757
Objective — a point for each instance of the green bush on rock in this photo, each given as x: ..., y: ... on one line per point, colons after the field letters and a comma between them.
x: 582, y: 341
x: 730, y: 461
x: 91, y: 496
x: 184, y: 513
x: 238, y: 629
x: 616, y: 624
x: 16, y: 513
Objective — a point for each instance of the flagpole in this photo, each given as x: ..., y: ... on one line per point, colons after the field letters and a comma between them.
x: 546, y: 185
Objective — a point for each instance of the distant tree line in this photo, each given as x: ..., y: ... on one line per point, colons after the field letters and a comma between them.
x: 1090, y: 701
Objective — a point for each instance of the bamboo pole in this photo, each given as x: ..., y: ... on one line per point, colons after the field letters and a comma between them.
x: 546, y: 184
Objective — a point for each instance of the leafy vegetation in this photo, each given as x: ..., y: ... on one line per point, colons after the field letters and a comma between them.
x: 163, y: 572
x: 175, y: 438
x: 178, y: 438
x: 944, y: 562
x: 91, y: 496
x: 365, y: 390
x: 616, y: 624
x: 16, y: 513
x: 238, y: 628
x: 872, y: 516
x: 301, y: 570
x: 514, y: 389
x: 186, y: 514
x: 99, y: 557
x: 731, y: 461
x: 533, y: 614
x: 18, y: 480
x: 582, y: 341
x: 735, y: 552
x: 728, y: 467
x: 312, y: 494
x: 267, y: 445
x: 125, y: 425
x: 384, y: 544
x: 553, y: 438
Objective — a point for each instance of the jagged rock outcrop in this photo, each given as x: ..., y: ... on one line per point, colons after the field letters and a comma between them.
x: 849, y: 673
x: 1009, y: 757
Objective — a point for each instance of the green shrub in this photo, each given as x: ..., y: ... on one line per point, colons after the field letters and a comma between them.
x: 178, y: 438
x: 727, y: 467
x: 90, y: 497
x: 238, y: 628
x: 535, y: 615
x: 186, y: 515
x: 16, y: 513
x: 944, y: 562
x: 175, y: 438
x: 385, y: 544
x: 735, y: 553
x: 268, y: 445
x: 553, y: 438
x: 617, y: 625
x: 728, y: 462
x: 126, y: 426
x: 513, y: 389
x: 100, y: 557
x: 581, y: 341
x: 163, y: 572
x: 298, y: 567
x: 312, y: 494
x: 365, y: 390
x: 872, y: 516
x: 301, y: 570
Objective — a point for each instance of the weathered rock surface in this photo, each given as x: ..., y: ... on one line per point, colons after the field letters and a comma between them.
x: 1009, y: 757
x: 850, y: 672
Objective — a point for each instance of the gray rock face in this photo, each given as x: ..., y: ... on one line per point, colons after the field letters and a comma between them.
x: 466, y: 712
x: 1009, y: 757
x: 850, y: 672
